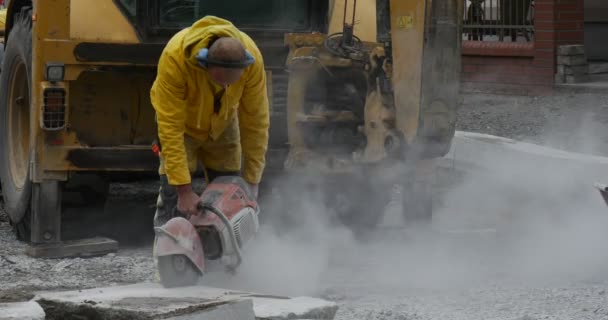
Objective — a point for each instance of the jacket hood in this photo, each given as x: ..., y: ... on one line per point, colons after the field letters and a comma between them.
x: 202, y: 32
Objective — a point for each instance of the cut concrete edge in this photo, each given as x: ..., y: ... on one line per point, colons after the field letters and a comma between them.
x: 529, y: 148
x: 139, y: 290
x: 265, y: 307
x: 29, y: 310
x: 294, y: 308
x: 234, y: 310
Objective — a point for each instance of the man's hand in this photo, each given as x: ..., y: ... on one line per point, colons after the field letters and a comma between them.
x: 254, y: 189
x: 187, y: 200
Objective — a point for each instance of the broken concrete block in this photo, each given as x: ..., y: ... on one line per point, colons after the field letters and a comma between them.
x: 571, y: 50
x: 572, y: 70
x: 237, y: 310
x: 21, y: 311
x: 572, y: 60
x: 294, y: 308
x: 151, y: 300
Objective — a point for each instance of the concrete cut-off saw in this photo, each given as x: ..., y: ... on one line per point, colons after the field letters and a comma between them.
x: 227, y: 220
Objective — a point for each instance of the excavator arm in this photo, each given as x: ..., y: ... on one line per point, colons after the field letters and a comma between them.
x: 407, y: 73
x: 423, y: 48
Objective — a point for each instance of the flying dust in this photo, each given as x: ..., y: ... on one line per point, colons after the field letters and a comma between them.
x: 527, y: 218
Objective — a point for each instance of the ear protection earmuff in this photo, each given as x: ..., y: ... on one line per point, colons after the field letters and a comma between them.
x: 203, y: 60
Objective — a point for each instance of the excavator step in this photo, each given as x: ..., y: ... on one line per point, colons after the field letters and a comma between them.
x: 73, y: 248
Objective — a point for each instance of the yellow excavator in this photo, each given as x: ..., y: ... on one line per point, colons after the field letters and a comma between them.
x: 356, y: 88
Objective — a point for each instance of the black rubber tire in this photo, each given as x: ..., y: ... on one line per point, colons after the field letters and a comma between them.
x: 171, y: 276
x: 1, y: 55
x: 18, y: 48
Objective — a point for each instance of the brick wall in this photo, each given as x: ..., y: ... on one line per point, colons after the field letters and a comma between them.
x: 570, y: 22
x: 524, y: 67
x: 503, y: 67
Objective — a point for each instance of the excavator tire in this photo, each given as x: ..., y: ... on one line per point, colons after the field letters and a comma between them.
x: 15, y: 108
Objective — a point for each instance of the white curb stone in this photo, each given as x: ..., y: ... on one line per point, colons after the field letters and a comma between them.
x: 21, y: 311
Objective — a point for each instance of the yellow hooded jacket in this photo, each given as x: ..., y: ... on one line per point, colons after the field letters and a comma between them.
x: 182, y: 96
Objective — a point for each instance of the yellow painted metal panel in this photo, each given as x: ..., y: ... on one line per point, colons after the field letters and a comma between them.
x: 2, y: 19
x: 408, y: 26
x: 100, y: 20
x: 365, y: 17
x: 50, y: 21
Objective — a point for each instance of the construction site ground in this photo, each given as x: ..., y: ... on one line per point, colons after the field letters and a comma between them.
x: 519, y: 232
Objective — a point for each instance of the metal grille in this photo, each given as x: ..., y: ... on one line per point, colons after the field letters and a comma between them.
x: 278, y: 128
x: 499, y: 20
x: 53, y: 110
x: 280, y: 82
x: 237, y: 232
x: 244, y: 229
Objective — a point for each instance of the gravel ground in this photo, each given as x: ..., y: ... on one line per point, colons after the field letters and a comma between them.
x: 575, y: 122
x: 21, y: 274
x: 555, y: 269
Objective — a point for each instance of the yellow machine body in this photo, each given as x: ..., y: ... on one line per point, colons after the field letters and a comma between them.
x: 352, y: 85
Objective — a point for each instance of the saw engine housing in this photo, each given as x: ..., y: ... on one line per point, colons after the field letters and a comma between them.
x: 227, y: 221
x: 232, y: 197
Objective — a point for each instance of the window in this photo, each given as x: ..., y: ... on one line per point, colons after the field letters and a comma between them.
x: 499, y: 20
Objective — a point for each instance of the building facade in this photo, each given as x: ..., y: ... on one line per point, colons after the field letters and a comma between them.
x: 511, y: 46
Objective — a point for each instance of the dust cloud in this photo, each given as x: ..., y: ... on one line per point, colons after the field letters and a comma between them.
x: 519, y: 218
x: 293, y: 248
x: 548, y: 220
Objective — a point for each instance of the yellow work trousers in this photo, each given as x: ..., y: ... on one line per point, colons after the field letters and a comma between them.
x: 221, y: 155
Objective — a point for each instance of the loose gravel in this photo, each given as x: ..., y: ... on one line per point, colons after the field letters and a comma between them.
x: 566, y: 120
x: 556, y: 273
x: 20, y: 274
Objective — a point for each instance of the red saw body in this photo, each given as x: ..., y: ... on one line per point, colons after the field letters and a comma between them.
x: 228, y: 219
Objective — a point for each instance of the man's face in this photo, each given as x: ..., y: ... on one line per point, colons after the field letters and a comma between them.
x: 224, y: 76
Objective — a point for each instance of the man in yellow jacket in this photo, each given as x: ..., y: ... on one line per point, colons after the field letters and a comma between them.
x: 212, y: 107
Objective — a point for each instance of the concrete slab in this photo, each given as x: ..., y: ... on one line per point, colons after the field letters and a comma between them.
x: 475, y: 150
x: 146, y: 300
x: 294, y: 308
x: 238, y: 310
x: 21, y: 311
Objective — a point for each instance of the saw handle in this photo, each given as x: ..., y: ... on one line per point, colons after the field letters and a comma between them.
x: 200, y: 206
